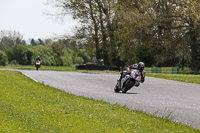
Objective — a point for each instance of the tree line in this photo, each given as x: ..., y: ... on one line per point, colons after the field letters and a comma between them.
x: 15, y: 51
x: 157, y: 32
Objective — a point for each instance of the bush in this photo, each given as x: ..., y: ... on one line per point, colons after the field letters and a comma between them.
x: 51, y: 58
x: 46, y: 53
x: 66, y: 60
x: 13, y: 62
x: 84, y: 55
x: 3, y: 58
x: 79, y: 60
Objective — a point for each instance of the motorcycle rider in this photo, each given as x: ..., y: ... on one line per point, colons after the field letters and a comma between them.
x: 140, y: 73
x: 38, y: 58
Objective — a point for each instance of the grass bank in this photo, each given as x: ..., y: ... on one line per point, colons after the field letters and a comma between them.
x: 188, y: 78
x: 29, y: 67
x: 27, y: 106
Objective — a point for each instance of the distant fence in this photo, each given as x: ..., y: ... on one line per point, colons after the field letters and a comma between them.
x: 172, y: 70
x: 96, y: 67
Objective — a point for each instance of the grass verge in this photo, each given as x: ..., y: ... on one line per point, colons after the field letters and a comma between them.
x: 27, y: 106
x: 29, y: 67
x: 189, y: 78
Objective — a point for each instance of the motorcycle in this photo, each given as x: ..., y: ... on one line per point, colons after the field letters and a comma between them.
x: 127, y: 81
x: 37, y: 64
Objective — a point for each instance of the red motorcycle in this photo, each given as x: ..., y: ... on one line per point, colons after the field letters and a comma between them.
x: 37, y: 64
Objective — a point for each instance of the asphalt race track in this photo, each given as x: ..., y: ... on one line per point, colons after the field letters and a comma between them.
x: 177, y: 101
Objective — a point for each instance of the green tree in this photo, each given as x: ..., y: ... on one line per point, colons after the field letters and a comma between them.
x: 99, y: 19
x: 18, y: 53
x: 58, y: 48
x: 6, y: 43
x: 29, y: 55
x: 46, y: 53
x: 9, y: 39
x: 144, y: 54
x: 3, y: 58
x: 33, y: 42
x: 40, y: 42
x: 118, y: 31
x: 66, y: 60
x: 51, y: 56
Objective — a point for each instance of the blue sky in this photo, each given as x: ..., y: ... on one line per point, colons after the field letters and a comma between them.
x: 28, y: 18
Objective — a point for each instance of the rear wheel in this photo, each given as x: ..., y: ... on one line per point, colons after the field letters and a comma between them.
x: 116, y: 89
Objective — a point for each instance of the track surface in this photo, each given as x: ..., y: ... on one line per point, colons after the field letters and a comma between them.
x: 177, y: 101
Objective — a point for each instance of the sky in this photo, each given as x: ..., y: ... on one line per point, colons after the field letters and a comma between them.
x: 29, y: 19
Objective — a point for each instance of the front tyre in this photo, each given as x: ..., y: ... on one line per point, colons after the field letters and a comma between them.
x: 127, y: 86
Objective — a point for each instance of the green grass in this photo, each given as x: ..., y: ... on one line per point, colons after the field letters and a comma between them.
x: 189, y: 78
x: 27, y: 106
x: 29, y: 67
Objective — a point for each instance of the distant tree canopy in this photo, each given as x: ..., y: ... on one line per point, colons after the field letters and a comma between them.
x: 9, y: 39
x: 58, y: 53
x: 63, y: 52
x: 37, y: 42
x: 158, y: 32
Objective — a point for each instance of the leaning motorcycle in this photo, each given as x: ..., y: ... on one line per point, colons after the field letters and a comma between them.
x: 37, y: 64
x: 127, y: 82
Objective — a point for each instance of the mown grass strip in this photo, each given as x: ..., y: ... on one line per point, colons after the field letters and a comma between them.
x: 189, y: 78
x: 29, y: 67
x: 27, y: 106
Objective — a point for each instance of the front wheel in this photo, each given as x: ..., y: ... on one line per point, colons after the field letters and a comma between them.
x: 128, y: 84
